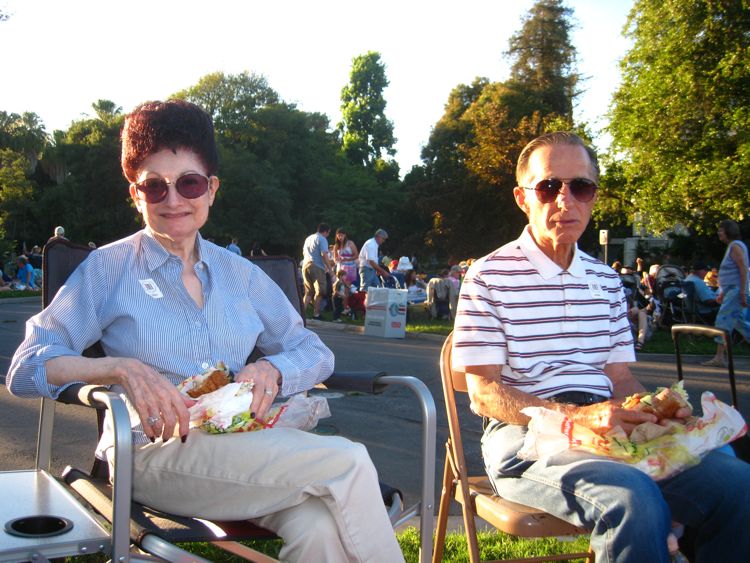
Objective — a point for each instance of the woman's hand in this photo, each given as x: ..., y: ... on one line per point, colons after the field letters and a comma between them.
x: 603, y: 417
x: 719, y: 297
x: 160, y: 406
x: 266, y: 383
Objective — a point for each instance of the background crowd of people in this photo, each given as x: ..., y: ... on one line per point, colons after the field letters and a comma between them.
x: 337, y: 276
x: 665, y: 293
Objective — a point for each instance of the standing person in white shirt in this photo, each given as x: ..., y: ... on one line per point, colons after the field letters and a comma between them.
x: 369, y: 266
x: 315, y: 263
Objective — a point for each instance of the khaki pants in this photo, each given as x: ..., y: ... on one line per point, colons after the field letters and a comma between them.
x: 319, y: 493
x: 314, y: 279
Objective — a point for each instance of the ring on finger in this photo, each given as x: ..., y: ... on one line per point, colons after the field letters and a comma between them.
x: 268, y: 392
x: 153, y: 420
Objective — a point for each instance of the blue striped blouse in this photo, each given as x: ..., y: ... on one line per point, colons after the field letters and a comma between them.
x: 129, y: 295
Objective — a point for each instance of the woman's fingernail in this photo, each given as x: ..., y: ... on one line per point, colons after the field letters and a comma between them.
x: 252, y: 414
x: 183, y: 438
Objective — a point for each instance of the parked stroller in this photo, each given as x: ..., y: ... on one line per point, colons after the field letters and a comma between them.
x: 670, y: 295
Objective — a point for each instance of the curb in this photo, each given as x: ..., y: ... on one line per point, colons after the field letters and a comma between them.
x: 33, y: 298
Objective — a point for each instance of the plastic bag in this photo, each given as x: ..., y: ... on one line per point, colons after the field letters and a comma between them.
x: 681, y: 445
x: 303, y: 412
x: 228, y: 410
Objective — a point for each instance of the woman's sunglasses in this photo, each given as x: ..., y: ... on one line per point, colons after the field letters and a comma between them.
x: 582, y: 189
x: 189, y: 186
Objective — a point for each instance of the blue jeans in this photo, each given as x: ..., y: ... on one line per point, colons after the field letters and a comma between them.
x: 630, y: 513
x: 368, y: 277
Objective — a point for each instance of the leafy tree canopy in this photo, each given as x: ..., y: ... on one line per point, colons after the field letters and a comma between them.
x: 680, y: 120
x: 230, y: 99
x: 366, y: 132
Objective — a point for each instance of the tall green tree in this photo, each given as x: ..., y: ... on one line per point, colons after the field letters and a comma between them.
x: 680, y: 120
x: 230, y: 99
x: 544, y: 59
x: 467, y: 188
x: 366, y: 133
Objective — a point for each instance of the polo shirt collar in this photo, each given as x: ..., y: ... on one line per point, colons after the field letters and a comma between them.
x: 543, y: 264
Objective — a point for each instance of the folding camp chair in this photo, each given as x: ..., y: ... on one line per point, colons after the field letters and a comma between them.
x: 475, y: 493
x: 154, y: 532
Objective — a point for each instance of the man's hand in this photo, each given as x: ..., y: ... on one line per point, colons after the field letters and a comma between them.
x: 267, y: 381
x: 603, y: 417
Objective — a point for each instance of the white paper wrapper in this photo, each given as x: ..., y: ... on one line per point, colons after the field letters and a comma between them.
x: 551, y: 433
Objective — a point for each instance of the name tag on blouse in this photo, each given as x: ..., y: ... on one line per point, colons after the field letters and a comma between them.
x: 596, y: 289
x: 151, y: 289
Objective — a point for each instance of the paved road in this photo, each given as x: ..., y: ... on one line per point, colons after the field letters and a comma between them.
x: 388, y: 424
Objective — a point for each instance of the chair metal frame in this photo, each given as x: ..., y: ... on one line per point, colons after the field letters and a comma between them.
x: 475, y: 493
x: 116, y: 504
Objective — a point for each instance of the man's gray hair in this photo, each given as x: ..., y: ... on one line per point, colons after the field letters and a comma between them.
x: 381, y: 233
x: 549, y: 139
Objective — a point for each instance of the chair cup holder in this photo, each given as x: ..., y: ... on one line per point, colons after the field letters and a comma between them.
x: 39, y: 526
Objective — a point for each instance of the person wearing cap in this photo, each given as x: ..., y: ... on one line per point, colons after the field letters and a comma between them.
x: 705, y: 298
x: 369, y: 266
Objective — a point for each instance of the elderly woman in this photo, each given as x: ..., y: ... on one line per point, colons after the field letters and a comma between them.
x: 732, y: 288
x: 166, y: 304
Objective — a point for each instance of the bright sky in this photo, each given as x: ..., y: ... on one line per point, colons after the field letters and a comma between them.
x: 60, y: 57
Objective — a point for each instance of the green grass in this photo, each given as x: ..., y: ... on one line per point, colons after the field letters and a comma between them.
x: 492, y: 545
x: 659, y: 343
x: 16, y: 293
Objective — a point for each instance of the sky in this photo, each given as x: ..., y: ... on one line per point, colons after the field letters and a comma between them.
x: 60, y: 57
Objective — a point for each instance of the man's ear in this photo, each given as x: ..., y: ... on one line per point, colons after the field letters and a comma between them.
x: 519, y: 194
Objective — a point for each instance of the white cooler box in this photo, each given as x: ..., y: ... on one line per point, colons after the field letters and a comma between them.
x: 386, y: 312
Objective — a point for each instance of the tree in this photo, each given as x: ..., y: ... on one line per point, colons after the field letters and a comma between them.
x: 365, y: 131
x: 230, y: 99
x: 544, y: 59
x: 679, y: 121
x: 467, y: 188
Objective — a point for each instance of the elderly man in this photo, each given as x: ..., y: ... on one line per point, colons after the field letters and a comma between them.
x: 369, y: 265
x: 541, y: 323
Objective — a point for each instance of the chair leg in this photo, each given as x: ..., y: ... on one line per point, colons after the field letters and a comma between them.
x: 471, y: 528
x: 446, y: 495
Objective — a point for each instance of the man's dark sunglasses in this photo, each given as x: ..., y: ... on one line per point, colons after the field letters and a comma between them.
x: 582, y: 189
x: 189, y: 186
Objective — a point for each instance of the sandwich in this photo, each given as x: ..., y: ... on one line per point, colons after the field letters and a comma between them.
x: 209, y: 381
x: 664, y: 402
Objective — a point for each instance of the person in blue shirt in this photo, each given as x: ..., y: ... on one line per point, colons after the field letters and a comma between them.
x: 25, y: 274
x: 166, y: 304
x: 705, y: 298
x: 733, y: 288
x: 234, y: 247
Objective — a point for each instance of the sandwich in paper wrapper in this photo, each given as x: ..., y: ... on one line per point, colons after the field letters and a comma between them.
x: 223, y: 405
x: 659, y: 450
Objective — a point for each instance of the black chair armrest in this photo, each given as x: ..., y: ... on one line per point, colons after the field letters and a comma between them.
x: 82, y: 394
x: 361, y: 381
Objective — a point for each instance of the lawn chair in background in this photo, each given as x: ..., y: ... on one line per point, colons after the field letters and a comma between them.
x: 475, y: 493
x: 156, y: 533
